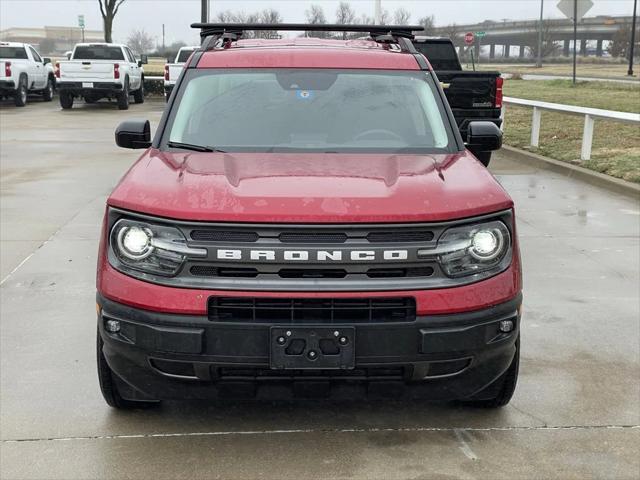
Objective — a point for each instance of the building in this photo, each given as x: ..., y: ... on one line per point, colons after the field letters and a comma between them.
x: 51, y: 40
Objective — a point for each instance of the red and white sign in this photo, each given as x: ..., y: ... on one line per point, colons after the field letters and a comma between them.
x: 469, y: 38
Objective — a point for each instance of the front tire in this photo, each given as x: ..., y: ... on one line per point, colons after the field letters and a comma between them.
x: 20, y: 98
x: 499, y: 393
x: 123, y: 98
x: 138, y: 95
x: 47, y: 93
x: 109, y: 388
x: 66, y: 100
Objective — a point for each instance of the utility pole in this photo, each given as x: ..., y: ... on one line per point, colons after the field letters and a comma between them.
x: 575, y: 38
x: 163, y: 47
x: 204, y: 11
x: 539, y: 62
x: 633, y: 38
x: 377, y: 12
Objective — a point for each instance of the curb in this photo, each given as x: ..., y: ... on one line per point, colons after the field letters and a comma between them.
x: 574, y: 171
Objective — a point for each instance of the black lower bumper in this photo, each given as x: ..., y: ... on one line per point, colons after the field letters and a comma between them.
x: 98, y: 88
x: 7, y: 87
x: 438, y: 357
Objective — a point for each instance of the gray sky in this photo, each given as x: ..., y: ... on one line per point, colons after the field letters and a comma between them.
x: 178, y: 14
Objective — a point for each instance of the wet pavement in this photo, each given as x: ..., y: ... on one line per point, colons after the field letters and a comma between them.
x: 575, y: 414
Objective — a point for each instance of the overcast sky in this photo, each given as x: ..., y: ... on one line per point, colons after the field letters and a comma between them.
x: 178, y: 14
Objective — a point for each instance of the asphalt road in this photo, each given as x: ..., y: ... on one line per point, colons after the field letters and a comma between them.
x: 576, y: 412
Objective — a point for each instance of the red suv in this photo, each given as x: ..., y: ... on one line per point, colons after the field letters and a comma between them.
x: 307, y: 216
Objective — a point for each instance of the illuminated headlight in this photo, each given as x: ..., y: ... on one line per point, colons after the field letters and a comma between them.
x: 472, y: 249
x: 149, y: 248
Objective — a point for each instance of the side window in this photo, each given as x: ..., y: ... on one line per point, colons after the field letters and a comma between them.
x: 36, y: 57
x: 131, y: 56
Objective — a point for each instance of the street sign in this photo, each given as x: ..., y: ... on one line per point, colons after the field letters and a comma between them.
x: 469, y: 38
x: 480, y: 34
x: 81, y: 21
x: 566, y: 7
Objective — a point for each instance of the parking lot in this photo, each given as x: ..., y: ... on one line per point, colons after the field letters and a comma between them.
x: 575, y: 414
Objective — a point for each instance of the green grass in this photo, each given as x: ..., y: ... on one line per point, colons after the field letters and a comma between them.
x: 616, y: 146
x: 618, y: 70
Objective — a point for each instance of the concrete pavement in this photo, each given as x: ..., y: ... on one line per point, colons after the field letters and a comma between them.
x: 575, y: 414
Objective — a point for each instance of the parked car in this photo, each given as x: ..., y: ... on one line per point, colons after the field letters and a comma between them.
x: 172, y: 70
x: 101, y: 70
x: 472, y: 96
x: 307, y: 216
x: 24, y: 71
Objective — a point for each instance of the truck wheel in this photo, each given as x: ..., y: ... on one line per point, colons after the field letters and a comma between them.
x: 20, y: 98
x: 499, y: 393
x: 47, y: 93
x: 138, y: 95
x: 123, y: 98
x: 66, y: 100
x: 109, y: 388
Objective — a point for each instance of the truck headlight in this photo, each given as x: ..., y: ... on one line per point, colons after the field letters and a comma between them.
x: 150, y: 248
x: 472, y: 249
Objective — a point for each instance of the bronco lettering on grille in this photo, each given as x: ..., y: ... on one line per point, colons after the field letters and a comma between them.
x: 312, y: 255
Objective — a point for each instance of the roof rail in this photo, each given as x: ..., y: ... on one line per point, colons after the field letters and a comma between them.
x: 400, y: 34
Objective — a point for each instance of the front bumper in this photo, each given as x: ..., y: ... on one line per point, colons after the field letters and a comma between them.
x: 100, y: 88
x: 439, y: 357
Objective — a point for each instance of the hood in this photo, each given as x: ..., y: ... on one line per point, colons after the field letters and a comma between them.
x: 308, y: 188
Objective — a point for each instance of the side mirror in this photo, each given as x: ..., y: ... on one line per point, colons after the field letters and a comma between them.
x: 46, y: 60
x: 483, y: 137
x: 134, y: 134
x: 144, y: 59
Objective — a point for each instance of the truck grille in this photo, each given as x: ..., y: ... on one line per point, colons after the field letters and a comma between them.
x: 311, y: 310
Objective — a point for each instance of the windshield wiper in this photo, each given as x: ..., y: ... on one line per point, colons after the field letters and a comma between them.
x: 194, y: 147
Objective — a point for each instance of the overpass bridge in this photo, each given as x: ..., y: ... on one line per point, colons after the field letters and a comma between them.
x: 524, y: 34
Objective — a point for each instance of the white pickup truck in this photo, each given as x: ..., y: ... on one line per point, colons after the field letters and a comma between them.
x: 101, y: 70
x: 172, y: 70
x: 24, y: 71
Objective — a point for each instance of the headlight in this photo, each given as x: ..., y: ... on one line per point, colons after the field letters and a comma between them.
x: 472, y: 249
x: 150, y: 248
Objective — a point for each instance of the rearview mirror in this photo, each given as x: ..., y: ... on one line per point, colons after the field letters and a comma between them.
x: 46, y: 60
x: 144, y: 59
x: 483, y: 137
x: 134, y: 134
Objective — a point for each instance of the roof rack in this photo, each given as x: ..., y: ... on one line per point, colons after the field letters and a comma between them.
x: 212, y: 33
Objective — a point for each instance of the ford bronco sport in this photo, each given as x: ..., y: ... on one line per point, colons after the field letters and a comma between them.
x: 308, y: 219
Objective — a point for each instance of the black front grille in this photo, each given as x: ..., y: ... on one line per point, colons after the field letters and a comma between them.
x: 211, y: 271
x: 312, y: 310
x: 312, y: 237
x: 210, y: 235
x: 400, y: 236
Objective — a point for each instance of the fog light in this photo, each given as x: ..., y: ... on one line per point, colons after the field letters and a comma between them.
x: 506, y: 326
x: 112, y: 326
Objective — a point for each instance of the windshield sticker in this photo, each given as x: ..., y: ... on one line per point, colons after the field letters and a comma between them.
x: 304, y: 94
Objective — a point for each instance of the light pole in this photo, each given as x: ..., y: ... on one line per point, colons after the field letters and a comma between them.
x: 539, y: 62
x: 377, y: 12
x: 633, y: 38
x: 575, y: 38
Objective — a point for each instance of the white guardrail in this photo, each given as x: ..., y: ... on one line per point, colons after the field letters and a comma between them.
x: 590, y: 114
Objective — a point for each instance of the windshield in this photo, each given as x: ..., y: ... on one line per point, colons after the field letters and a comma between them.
x: 183, y: 55
x: 98, y: 52
x: 16, y: 53
x: 309, y: 110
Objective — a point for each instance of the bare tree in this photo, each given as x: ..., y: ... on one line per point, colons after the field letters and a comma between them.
x: 621, y: 42
x: 268, y: 15
x: 140, y: 42
x: 315, y: 16
x: 549, y: 47
x: 345, y: 15
x: 109, y: 9
x: 453, y: 32
x: 365, y: 19
x: 401, y: 16
x: 428, y: 23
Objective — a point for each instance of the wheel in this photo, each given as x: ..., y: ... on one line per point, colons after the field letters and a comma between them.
x: 20, y: 98
x: 123, y: 98
x: 499, y: 393
x: 47, y: 93
x: 109, y: 388
x: 66, y: 100
x: 138, y: 95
